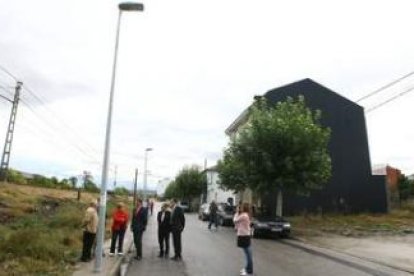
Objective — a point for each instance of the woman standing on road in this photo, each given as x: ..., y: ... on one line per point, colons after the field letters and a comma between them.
x: 119, y: 226
x: 242, y: 223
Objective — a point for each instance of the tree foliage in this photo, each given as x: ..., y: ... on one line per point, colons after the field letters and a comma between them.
x: 121, y: 191
x: 405, y: 187
x: 171, y: 190
x: 189, y: 183
x: 280, y: 146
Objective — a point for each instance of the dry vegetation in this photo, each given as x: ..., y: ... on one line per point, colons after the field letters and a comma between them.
x: 397, y: 222
x: 40, y: 229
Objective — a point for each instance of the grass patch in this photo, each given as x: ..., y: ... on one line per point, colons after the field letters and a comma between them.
x: 40, y: 229
x: 397, y: 222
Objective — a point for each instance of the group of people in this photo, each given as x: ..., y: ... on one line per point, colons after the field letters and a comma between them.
x: 170, y: 220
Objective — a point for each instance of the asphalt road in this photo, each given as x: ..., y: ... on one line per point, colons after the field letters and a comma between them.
x: 208, y: 253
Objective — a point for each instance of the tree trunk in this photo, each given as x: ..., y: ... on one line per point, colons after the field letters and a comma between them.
x: 279, y: 203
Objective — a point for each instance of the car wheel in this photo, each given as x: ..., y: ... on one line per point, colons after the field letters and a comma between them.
x: 254, y: 232
x: 284, y: 235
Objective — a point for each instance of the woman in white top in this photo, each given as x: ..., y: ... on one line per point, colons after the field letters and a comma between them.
x: 242, y: 223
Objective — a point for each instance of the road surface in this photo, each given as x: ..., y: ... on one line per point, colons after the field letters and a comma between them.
x: 209, y: 252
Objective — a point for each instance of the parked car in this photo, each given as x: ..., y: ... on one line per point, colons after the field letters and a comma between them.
x: 204, y: 212
x: 225, y: 214
x: 270, y: 227
x: 185, y: 205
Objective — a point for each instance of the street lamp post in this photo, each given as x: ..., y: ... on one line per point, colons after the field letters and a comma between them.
x: 128, y: 6
x: 146, y: 171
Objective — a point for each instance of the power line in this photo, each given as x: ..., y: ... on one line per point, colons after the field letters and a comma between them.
x: 52, y: 127
x: 385, y: 86
x: 5, y: 98
x: 8, y: 73
x: 390, y: 99
x: 72, y: 131
x: 41, y: 101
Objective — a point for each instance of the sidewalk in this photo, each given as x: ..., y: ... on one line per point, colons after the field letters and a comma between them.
x: 393, y: 251
x: 110, y: 265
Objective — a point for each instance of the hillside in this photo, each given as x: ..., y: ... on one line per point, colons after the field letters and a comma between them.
x: 40, y: 229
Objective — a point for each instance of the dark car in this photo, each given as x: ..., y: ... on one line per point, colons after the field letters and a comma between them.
x: 204, y: 212
x: 225, y: 214
x: 270, y: 227
x: 185, y: 205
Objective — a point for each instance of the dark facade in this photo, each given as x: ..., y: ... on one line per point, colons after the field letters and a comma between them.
x: 352, y: 188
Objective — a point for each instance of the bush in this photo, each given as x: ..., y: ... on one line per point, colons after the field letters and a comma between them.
x: 69, y: 216
x: 16, y: 177
x: 43, y: 243
x: 121, y: 191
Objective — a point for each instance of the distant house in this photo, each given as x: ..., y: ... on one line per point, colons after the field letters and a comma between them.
x: 214, y: 192
x: 352, y: 187
x: 392, y: 176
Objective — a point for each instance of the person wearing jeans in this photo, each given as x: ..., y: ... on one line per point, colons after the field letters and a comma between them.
x: 242, y: 223
x: 119, y: 225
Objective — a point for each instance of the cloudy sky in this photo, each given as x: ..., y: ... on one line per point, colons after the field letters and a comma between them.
x: 186, y: 70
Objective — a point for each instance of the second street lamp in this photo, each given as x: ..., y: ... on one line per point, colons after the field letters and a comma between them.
x: 127, y: 6
x: 146, y: 171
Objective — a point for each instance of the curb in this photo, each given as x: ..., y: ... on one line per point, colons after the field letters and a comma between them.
x: 116, y: 267
x: 372, y: 260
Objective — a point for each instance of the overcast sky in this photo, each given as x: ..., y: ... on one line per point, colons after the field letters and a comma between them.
x: 186, y: 70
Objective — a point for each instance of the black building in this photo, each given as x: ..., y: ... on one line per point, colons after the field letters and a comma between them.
x: 352, y: 187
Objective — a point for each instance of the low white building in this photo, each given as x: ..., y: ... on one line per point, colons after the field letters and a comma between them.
x: 162, y: 185
x: 214, y: 192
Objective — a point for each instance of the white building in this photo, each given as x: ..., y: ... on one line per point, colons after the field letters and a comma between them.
x: 162, y: 185
x: 214, y: 192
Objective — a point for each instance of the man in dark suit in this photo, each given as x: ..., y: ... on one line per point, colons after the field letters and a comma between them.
x: 177, y: 226
x: 164, y: 228
x: 138, y: 225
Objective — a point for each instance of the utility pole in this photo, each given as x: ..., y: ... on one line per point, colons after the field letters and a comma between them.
x: 135, y: 187
x: 4, y: 165
x: 116, y: 172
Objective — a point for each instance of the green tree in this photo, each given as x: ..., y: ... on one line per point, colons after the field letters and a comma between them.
x: 190, y: 182
x: 281, y: 147
x: 171, y: 190
x: 73, y: 181
x: 90, y: 186
x: 121, y: 191
x: 65, y: 184
x: 405, y: 187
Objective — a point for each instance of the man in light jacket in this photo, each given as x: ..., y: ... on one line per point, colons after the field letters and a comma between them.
x: 90, y: 226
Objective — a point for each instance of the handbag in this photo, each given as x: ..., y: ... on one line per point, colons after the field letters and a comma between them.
x: 243, y: 241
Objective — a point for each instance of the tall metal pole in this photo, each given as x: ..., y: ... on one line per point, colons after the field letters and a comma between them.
x: 105, y: 168
x: 4, y: 165
x: 145, y: 174
x: 135, y: 187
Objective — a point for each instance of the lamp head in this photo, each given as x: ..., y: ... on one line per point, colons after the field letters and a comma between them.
x: 131, y: 6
